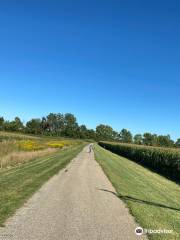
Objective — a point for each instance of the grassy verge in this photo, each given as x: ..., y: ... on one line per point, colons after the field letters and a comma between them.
x: 153, y: 200
x: 19, y: 183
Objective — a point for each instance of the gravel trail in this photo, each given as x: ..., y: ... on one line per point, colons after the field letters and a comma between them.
x: 73, y: 205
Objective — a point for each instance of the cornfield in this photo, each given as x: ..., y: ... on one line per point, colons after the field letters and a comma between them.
x: 165, y: 161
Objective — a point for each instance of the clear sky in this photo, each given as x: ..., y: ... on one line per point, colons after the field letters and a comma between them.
x: 112, y: 62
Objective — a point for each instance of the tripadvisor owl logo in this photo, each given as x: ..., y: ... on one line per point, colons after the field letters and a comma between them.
x: 139, y: 231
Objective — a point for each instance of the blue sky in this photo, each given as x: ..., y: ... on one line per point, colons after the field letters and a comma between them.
x: 112, y: 62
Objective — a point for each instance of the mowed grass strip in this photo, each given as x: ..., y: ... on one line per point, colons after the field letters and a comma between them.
x: 19, y: 183
x: 153, y: 200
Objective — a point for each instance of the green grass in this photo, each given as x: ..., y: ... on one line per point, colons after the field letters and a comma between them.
x: 19, y: 183
x: 153, y: 200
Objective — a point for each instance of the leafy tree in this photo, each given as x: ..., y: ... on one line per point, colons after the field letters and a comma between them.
x: 60, y: 123
x: 91, y: 134
x: 165, y: 141
x: 44, y: 125
x: 6, y: 125
x: 116, y: 136
x: 71, y: 126
x: 15, y: 125
x: 178, y: 142
x: 125, y: 136
x: 34, y: 126
x: 138, y: 139
x: 83, y: 131
x: 1, y: 123
x: 104, y: 132
x: 54, y: 123
x: 66, y: 125
x: 149, y: 139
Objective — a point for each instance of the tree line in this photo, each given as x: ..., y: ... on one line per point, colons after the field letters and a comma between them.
x: 66, y: 125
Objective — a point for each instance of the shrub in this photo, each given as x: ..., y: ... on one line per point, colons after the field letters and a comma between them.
x: 30, y: 145
x: 55, y: 144
x: 162, y: 160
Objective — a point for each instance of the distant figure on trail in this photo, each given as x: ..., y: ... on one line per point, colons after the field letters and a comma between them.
x: 90, y: 148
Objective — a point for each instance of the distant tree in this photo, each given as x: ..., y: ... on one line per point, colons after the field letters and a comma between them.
x: 91, y: 134
x: 138, y: 139
x: 165, y: 141
x: 15, y: 125
x: 54, y: 124
x: 83, y: 133
x: 104, y: 132
x: 1, y: 123
x: 34, y: 126
x: 44, y: 125
x: 57, y: 124
x: 125, y: 136
x: 178, y: 142
x: 150, y: 139
x: 116, y: 136
x: 6, y: 126
x: 60, y: 123
x: 71, y: 127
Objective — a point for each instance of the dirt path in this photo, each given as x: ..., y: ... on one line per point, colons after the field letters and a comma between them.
x: 71, y: 206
